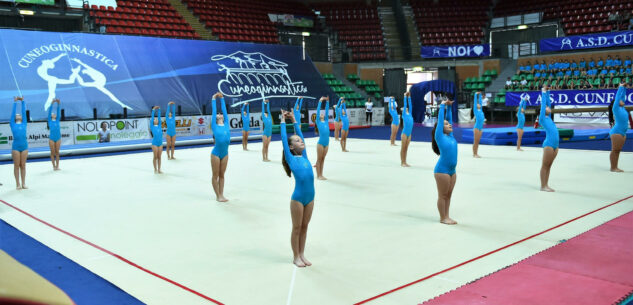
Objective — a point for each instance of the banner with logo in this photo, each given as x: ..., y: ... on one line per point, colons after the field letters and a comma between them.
x: 37, y: 134
x: 292, y: 20
x: 80, y: 3
x: 591, y: 41
x: 256, y: 123
x: 113, y: 72
x: 455, y: 51
x: 312, y: 116
x: 120, y: 130
x: 42, y: 2
x: 581, y: 117
x: 600, y: 97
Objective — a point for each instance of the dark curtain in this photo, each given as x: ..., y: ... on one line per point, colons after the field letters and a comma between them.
x: 419, y: 90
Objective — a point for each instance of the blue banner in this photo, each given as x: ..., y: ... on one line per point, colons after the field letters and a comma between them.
x: 600, y: 97
x: 112, y: 72
x: 600, y: 40
x: 455, y: 51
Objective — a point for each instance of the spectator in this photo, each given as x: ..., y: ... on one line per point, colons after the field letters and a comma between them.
x: 369, y: 111
x: 609, y: 62
x: 574, y: 65
x: 523, y: 82
x: 600, y: 63
x: 627, y: 61
x: 508, y: 84
x: 586, y: 84
x: 631, y: 21
x: 583, y: 63
x: 617, y: 62
x: 543, y: 66
x: 592, y: 63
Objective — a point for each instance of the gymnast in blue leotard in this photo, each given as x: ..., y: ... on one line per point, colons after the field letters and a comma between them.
x: 55, y: 135
x: 445, y: 145
x: 618, y: 117
x: 323, y: 125
x: 246, y: 120
x: 550, y: 145
x: 344, y: 124
x: 395, y: 120
x: 337, y: 119
x: 170, y: 135
x: 407, y: 122
x: 521, y: 123
x: 296, y: 110
x: 156, y: 129
x: 19, y: 146
x: 479, y: 123
x: 267, y: 118
x: 295, y: 161
x: 220, y: 152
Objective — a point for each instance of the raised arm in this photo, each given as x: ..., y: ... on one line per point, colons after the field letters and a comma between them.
x: 449, y: 113
x: 544, y: 103
x: 248, y: 110
x: 159, y: 118
x: 24, y: 120
x: 318, y: 114
x: 214, y: 111
x: 297, y: 126
x: 301, y: 103
x: 59, y: 110
x: 268, y: 110
x: 50, y: 113
x: 242, y: 109
x: 284, y: 140
x: 297, y: 106
x: 13, y: 113
x: 439, y: 130
x: 226, y: 117
x: 338, y: 105
x: 620, y: 97
x: 151, y: 120
x: 327, y: 109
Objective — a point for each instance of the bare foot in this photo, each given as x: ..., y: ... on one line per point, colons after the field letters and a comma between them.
x: 305, y: 261
x: 160, y: 172
x: 345, y: 150
x: 405, y: 165
x: 616, y: 170
x: 314, y: 166
x: 222, y: 199
x: 265, y: 160
x: 336, y: 139
x: 448, y: 221
x: 547, y: 189
x: 155, y: 172
x: 173, y: 158
x: 299, y: 263
x: 520, y: 149
x: 393, y: 144
x: 24, y: 187
x: 476, y: 156
x: 321, y: 178
x: 245, y: 149
x: 18, y: 187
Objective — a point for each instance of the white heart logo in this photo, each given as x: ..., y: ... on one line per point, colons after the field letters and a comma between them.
x: 478, y: 49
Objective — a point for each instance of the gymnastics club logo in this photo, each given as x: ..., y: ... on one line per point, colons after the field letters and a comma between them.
x: 526, y: 97
x: 255, y: 76
x: 436, y: 52
x: 77, y: 71
x: 566, y: 42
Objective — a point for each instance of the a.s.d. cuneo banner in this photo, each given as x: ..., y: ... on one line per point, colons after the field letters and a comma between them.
x: 600, y: 97
x: 591, y: 41
x: 113, y: 72
x: 455, y: 51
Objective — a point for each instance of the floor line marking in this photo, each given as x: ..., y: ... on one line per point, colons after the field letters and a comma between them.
x: 292, y: 285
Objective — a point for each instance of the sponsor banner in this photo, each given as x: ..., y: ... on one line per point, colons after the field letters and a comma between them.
x: 601, y: 97
x: 190, y: 125
x: 357, y: 116
x: 80, y: 3
x: 591, y: 41
x: 120, y: 130
x: 256, y: 123
x: 581, y: 117
x: 37, y: 133
x: 112, y: 72
x: 292, y: 20
x: 312, y: 116
x: 42, y: 2
x: 455, y: 51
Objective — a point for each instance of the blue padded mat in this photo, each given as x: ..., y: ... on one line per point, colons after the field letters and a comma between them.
x: 506, y: 133
x: 509, y: 141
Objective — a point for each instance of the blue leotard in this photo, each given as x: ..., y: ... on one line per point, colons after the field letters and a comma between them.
x: 323, y: 126
x: 268, y: 120
x: 157, y: 130
x: 246, y: 118
x: 55, y: 132
x: 221, y: 133
x: 479, y: 113
x: 171, y: 122
x: 296, y: 110
x: 301, y: 168
x: 551, y: 133
x: 620, y: 115
x: 407, y: 118
x: 521, y: 115
x: 337, y: 111
x: 446, y: 143
x: 393, y: 111
x: 344, y: 117
x: 19, y: 130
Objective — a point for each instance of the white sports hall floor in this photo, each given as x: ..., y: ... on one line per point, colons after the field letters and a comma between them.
x: 375, y: 224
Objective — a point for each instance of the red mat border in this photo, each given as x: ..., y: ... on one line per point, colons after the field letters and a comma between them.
x: 114, y: 254
x: 488, y: 253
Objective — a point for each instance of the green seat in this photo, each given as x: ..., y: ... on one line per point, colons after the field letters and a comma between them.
x: 377, y: 95
x: 493, y: 73
x: 515, y: 78
x: 502, y: 100
x: 352, y: 77
x: 487, y: 79
x: 502, y: 92
x: 497, y: 99
x: 530, y: 77
x: 487, y: 73
x: 616, y: 80
x: 481, y: 86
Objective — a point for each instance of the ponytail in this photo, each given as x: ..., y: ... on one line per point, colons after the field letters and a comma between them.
x: 436, y: 149
x: 284, y: 162
x: 611, y: 121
